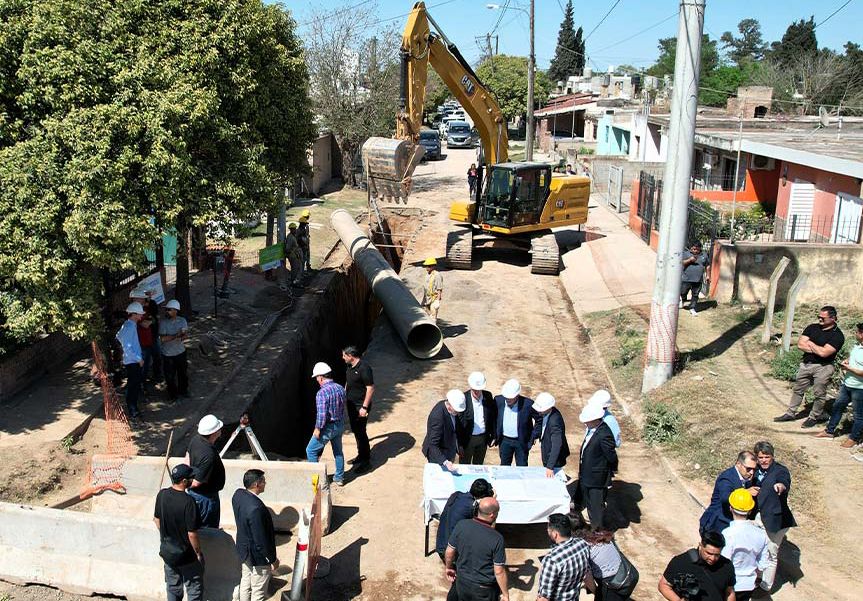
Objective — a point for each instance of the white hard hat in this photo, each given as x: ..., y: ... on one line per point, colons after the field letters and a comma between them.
x: 600, y: 397
x: 173, y: 304
x: 135, y: 308
x: 321, y: 369
x: 543, y: 402
x: 209, y: 424
x: 476, y: 380
x: 455, y: 398
x: 591, y: 412
x: 510, y: 389
x: 138, y: 293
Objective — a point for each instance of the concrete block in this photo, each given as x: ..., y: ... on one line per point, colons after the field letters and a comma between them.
x: 86, y: 553
x: 289, y: 489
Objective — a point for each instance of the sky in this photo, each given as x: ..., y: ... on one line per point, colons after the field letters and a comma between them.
x: 619, y: 39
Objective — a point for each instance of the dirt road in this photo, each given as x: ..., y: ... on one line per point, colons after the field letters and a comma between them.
x: 501, y: 319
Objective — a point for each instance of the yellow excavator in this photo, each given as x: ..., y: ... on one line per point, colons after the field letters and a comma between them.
x: 516, y: 203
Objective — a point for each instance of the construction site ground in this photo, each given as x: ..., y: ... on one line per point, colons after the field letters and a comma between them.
x: 553, y: 334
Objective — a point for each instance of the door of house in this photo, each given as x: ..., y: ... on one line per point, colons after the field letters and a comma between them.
x: 800, y: 204
x: 846, y: 219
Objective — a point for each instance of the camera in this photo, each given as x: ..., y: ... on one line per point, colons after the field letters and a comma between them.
x: 686, y: 586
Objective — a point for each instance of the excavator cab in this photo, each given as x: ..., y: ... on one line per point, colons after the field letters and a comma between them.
x: 515, y: 195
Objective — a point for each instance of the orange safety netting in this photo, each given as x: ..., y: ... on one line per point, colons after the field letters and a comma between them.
x: 105, y: 469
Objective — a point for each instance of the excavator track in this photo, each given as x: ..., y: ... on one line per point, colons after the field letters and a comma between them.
x: 459, y: 248
x: 545, y: 255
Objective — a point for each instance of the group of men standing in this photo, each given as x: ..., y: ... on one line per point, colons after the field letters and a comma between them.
x: 147, y: 341
x: 467, y: 423
x: 192, y: 503
x: 297, y: 248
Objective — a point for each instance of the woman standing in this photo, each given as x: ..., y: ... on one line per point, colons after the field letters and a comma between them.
x: 472, y: 178
x: 604, y: 563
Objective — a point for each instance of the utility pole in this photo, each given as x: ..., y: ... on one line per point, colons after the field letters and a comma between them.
x: 662, y: 334
x: 531, y: 73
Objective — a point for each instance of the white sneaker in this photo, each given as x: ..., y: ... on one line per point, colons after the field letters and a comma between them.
x: 680, y: 304
x: 693, y: 312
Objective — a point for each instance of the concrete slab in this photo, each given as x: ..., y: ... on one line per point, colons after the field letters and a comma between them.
x: 289, y: 489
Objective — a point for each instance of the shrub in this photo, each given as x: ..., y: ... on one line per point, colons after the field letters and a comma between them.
x: 784, y: 366
x: 662, y: 423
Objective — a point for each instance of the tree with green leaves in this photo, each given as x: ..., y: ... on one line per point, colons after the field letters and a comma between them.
x: 436, y: 92
x: 569, y: 53
x: 355, y: 78
x: 508, y: 82
x: 664, y: 65
x: 151, y: 116
x: 797, y: 42
x: 748, y: 47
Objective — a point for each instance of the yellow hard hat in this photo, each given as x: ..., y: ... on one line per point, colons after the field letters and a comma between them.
x: 304, y: 218
x: 306, y: 213
x: 741, y: 500
x: 430, y: 261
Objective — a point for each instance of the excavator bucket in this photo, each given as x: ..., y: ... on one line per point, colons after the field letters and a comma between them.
x: 389, y: 165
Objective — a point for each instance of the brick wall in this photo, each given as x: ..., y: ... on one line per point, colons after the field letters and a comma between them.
x: 33, y: 361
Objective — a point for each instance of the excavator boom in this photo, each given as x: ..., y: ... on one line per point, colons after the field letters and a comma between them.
x: 390, y: 162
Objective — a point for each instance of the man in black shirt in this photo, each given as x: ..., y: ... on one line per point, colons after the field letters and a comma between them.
x: 176, y: 517
x: 819, y: 342
x: 359, y: 388
x: 476, y: 556
x: 209, y: 470
x: 700, y: 574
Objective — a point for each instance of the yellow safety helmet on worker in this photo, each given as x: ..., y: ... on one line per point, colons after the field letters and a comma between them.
x: 430, y: 262
x: 741, y: 501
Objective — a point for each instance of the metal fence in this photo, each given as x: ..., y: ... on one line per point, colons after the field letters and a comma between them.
x: 823, y: 229
x: 715, y: 182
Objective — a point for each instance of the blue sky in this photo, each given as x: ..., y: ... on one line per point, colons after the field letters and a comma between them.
x: 613, y: 42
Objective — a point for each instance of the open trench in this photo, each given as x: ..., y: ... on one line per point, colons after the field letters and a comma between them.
x: 337, y: 309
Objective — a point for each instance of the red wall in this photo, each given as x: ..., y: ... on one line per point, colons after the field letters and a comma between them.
x: 635, y: 221
x: 826, y: 186
x: 761, y: 186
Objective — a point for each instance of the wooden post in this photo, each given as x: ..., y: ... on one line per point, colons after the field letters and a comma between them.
x: 771, y: 298
x: 790, y: 306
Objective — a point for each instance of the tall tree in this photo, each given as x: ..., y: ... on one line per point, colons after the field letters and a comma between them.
x: 569, y: 54
x: 153, y: 115
x: 749, y: 46
x: 664, y: 65
x: 355, y: 91
x: 508, y: 82
x: 797, y: 42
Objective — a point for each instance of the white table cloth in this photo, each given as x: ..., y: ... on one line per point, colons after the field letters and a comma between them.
x: 525, y: 495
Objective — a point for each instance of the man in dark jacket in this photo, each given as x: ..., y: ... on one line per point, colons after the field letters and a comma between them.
x: 443, y: 429
x: 459, y: 506
x: 774, y: 483
x: 717, y: 516
x: 514, y: 423
x: 598, y: 460
x: 478, y: 420
x: 256, y: 538
x: 551, y: 433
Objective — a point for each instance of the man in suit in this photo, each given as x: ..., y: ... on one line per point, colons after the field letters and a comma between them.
x: 443, y: 430
x: 256, y: 538
x: 514, y: 423
x: 773, y: 481
x: 718, y: 515
x: 598, y: 460
x: 551, y: 433
x: 478, y: 420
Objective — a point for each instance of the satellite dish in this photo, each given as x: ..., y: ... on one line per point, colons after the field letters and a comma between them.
x: 823, y: 117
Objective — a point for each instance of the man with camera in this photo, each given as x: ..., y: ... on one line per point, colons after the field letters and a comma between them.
x: 700, y: 574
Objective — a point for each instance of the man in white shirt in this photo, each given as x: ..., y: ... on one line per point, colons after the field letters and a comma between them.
x: 745, y: 544
x: 478, y: 420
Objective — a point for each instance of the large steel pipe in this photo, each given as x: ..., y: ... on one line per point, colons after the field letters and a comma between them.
x: 419, y: 332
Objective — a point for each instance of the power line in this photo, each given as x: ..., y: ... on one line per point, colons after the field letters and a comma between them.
x: 500, y: 16
x: 333, y: 14
x: 602, y: 20
x: 830, y: 16
x: 645, y: 30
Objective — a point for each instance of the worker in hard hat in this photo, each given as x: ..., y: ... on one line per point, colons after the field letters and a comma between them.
x: 173, y: 332
x: 746, y: 545
x: 133, y: 358
x: 329, y: 420
x: 294, y: 256
x: 304, y: 238
x: 433, y: 290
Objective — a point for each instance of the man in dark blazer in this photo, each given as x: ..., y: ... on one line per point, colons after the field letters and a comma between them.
x: 598, y: 460
x: 443, y: 430
x: 478, y: 420
x: 514, y: 423
x: 717, y: 516
x: 771, y: 505
x: 551, y: 433
x: 256, y: 537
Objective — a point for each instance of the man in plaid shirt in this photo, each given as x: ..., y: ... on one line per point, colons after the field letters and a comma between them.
x: 330, y: 420
x: 565, y: 567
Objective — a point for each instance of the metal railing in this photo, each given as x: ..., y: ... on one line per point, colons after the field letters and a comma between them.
x: 817, y: 229
x: 713, y: 182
